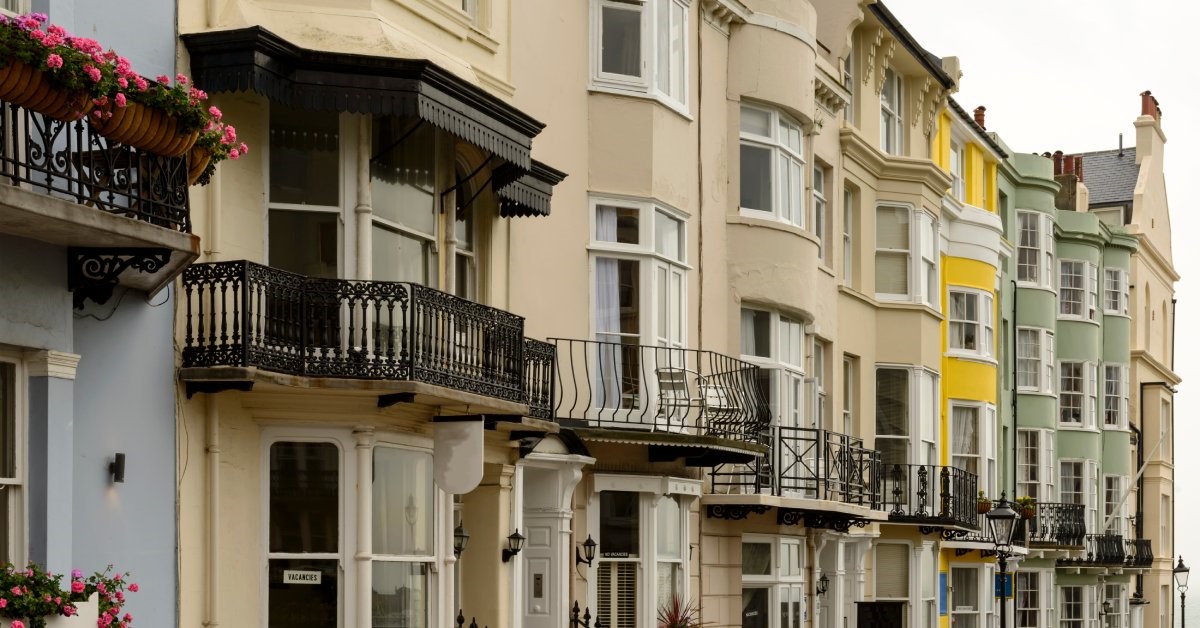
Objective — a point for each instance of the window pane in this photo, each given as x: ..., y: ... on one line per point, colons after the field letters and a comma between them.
x: 8, y: 421
x: 399, y: 594
x: 892, y: 228
x: 669, y: 582
x: 756, y: 333
x: 617, y: 594
x: 402, y: 173
x: 891, y: 402
x: 678, y: 84
x: 302, y: 605
x: 304, y: 502
x: 756, y: 559
x: 667, y: 236
x: 402, y: 502
x: 756, y: 177
x: 617, y: 224
x: 619, y: 524
x: 303, y: 242
x: 397, y: 256
x: 756, y: 608
x: 756, y: 121
x: 621, y: 45
x: 305, y: 163
x: 669, y: 526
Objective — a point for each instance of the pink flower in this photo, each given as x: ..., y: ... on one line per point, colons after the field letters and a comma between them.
x: 57, y: 31
x: 58, y: 600
x: 69, y: 610
x: 37, y: 35
x: 101, y: 588
x: 114, y: 611
x: 163, y: 79
x: 243, y: 148
x: 120, y: 98
x: 181, y: 79
x: 76, y: 585
x: 133, y: 587
x: 93, y: 72
x: 3, y: 602
x: 53, y: 61
x: 18, y: 624
x: 16, y: 590
x: 230, y: 133
x: 127, y: 618
x: 214, y: 112
x: 141, y: 84
x: 234, y: 154
x: 122, y: 82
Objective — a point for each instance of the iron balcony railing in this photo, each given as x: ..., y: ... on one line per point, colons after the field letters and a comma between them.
x: 929, y: 494
x: 539, y: 378
x: 632, y: 386
x: 244, y: 314
x: 1056, y: 526
x: 983, y: 531
x: 1138, y: 553
x: 72, y: 161
x: 1101, y: 550
x: 809, y: 463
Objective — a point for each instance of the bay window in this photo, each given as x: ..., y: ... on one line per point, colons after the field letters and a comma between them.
x: 640, y: 293
x: 1035, y: 248
x: 304, y: 196
x: 1116, y: 292
x: 1077, y: 290
x: 640, y: 47
x: 906, y: 255
x: 1118, y: 603
x: 972, y: 446
x: 906, y: 409
x: 1115, y: 508
x: 1032, y: 598
x: 891, y: 113
x: 1077, y: 485
x: 1035, y: 464
x: 966, y: 598
x: 1116, y: 396
x: 1077, y: 606
x: 1077, y: 394
x: 641, y: 562
x: 772, y: 165
x: 775, y: 343
x: 971, y: 328
x: 1035, y: 360
x: 773, y: 593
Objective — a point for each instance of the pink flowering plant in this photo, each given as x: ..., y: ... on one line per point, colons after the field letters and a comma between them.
x: 29, y: 595
x: 76, y: 64
x: 187, y: 104
x: 220, y: 140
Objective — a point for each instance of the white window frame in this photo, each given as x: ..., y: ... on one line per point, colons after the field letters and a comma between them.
x: 1042, y: 591
x: 1038, y: 471
x: 923, y: 268
x: 982, y: 595
x: 958, y: 187
x: 649, y: 490
x: 787, y: 205
x: 820, y: 212
x: 1086, y: 393
x: 1115, y: 593
x: 908, y: 553
x: 1043, y: 363
x: 1040, y: 245
x: 849, y: 83
x: 983, y: 324
x: 650, y: 82
x: 1086, y: 604
x: 1116, y: 396
x: 785, y: 366
x: 1088, y: 486
x: 891, y: 119
x: 849, y: 225
x: 784, y: 586
x: 985, y: 441
x: 1113, y: 489
x: 14, y: 8
x: 1077, y: 302
x: 1116, y: 292
x: 923, y: 408
x: 12, y: 488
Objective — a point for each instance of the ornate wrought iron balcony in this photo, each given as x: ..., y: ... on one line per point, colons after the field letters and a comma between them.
x: 808, y: 463
x: 1099, y: 550
x: 930, y: 495
x: 71, y: 161
x: 663, y: 389
x: 1056, y: 526
x: 1138, y: 553
x: 241, y: 314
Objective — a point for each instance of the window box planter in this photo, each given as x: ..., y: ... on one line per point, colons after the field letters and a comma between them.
x: 149, y: 129
x: 85, y: 617
x: 29, y: 87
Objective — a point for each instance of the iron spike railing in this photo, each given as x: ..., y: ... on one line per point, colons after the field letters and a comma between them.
x: 929, y: 494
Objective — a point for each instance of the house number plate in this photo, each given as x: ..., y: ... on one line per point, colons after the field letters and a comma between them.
x: 301, y: 577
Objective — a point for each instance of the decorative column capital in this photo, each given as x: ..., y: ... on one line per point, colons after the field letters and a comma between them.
x: 50, y: 363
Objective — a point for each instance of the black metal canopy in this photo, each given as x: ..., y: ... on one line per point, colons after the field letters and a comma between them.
x: 258, y: 60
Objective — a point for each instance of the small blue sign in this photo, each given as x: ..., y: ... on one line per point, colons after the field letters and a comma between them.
x: 1004, y: 585
x: 943, y: 594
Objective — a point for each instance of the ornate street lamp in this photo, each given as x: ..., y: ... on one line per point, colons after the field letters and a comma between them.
x: 1003, y: 521
x: 461, y: 536
x: 589, y: 552
x: 515, y: 543
x: 1181, y: 574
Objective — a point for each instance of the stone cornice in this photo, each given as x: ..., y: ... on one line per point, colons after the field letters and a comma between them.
x: 1163, y: 370
x: 1152, y: 252
x: 723, y: 13
x: 49, y: 363
x: 921, y: 171
x: 829, y: 93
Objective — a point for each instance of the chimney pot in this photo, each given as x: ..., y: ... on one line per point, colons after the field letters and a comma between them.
x: 979, y: 116
x: 1150, y: 105
x: 1079, y: 167
x: 1058, y: 159
x: 1068, y: 164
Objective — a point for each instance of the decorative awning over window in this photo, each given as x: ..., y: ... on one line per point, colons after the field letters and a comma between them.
x: 258, y: 60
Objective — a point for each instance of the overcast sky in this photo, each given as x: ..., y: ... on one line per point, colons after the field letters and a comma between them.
x: 1065, y: 75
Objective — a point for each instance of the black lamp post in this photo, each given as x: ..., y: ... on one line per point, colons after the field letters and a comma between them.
x: 1002, y: 520
x: 1181, y: 573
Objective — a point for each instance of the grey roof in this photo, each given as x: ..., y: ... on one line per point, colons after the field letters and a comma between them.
x: 1110, y: 176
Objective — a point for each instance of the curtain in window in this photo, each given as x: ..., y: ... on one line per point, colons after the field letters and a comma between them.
x: 966, y: 432
x: 608, y: 316
x: 891, y: 258
x: 621, y: 40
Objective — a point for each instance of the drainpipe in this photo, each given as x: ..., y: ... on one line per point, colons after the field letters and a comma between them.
x: 1172, y: 353
x: 700, y: 181
x: 213, y: 455
x: 1137, y: 520
x: 1014, y: 387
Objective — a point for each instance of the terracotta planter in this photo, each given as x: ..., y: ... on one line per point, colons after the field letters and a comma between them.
x: 197, y: 161
x: 983, y: 508
x: 29, y: 87
x: 1028, y: 512
x: 152, y: 130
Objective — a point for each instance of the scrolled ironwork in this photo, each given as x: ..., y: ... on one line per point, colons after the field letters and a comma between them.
x: 733, y: 512
x: 909, y: 491
x: 92, y: 273
x: 74, y: 162
x: 245, y: 314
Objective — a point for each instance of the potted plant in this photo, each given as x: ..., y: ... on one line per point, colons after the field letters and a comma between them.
x: 155, y: 116
x: 1027, y: 507
x: 983, y: 505
x: 679, y: 614
x: 51, y: 71
x: 34, y: 598
x: 218, y: 142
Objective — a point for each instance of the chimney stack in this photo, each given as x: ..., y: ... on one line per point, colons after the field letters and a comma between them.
x: 1068, y: 164
x: 1058, y: 159
x: 979, y: 113
x: 1079, y: 167
x: 1150, y: 106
